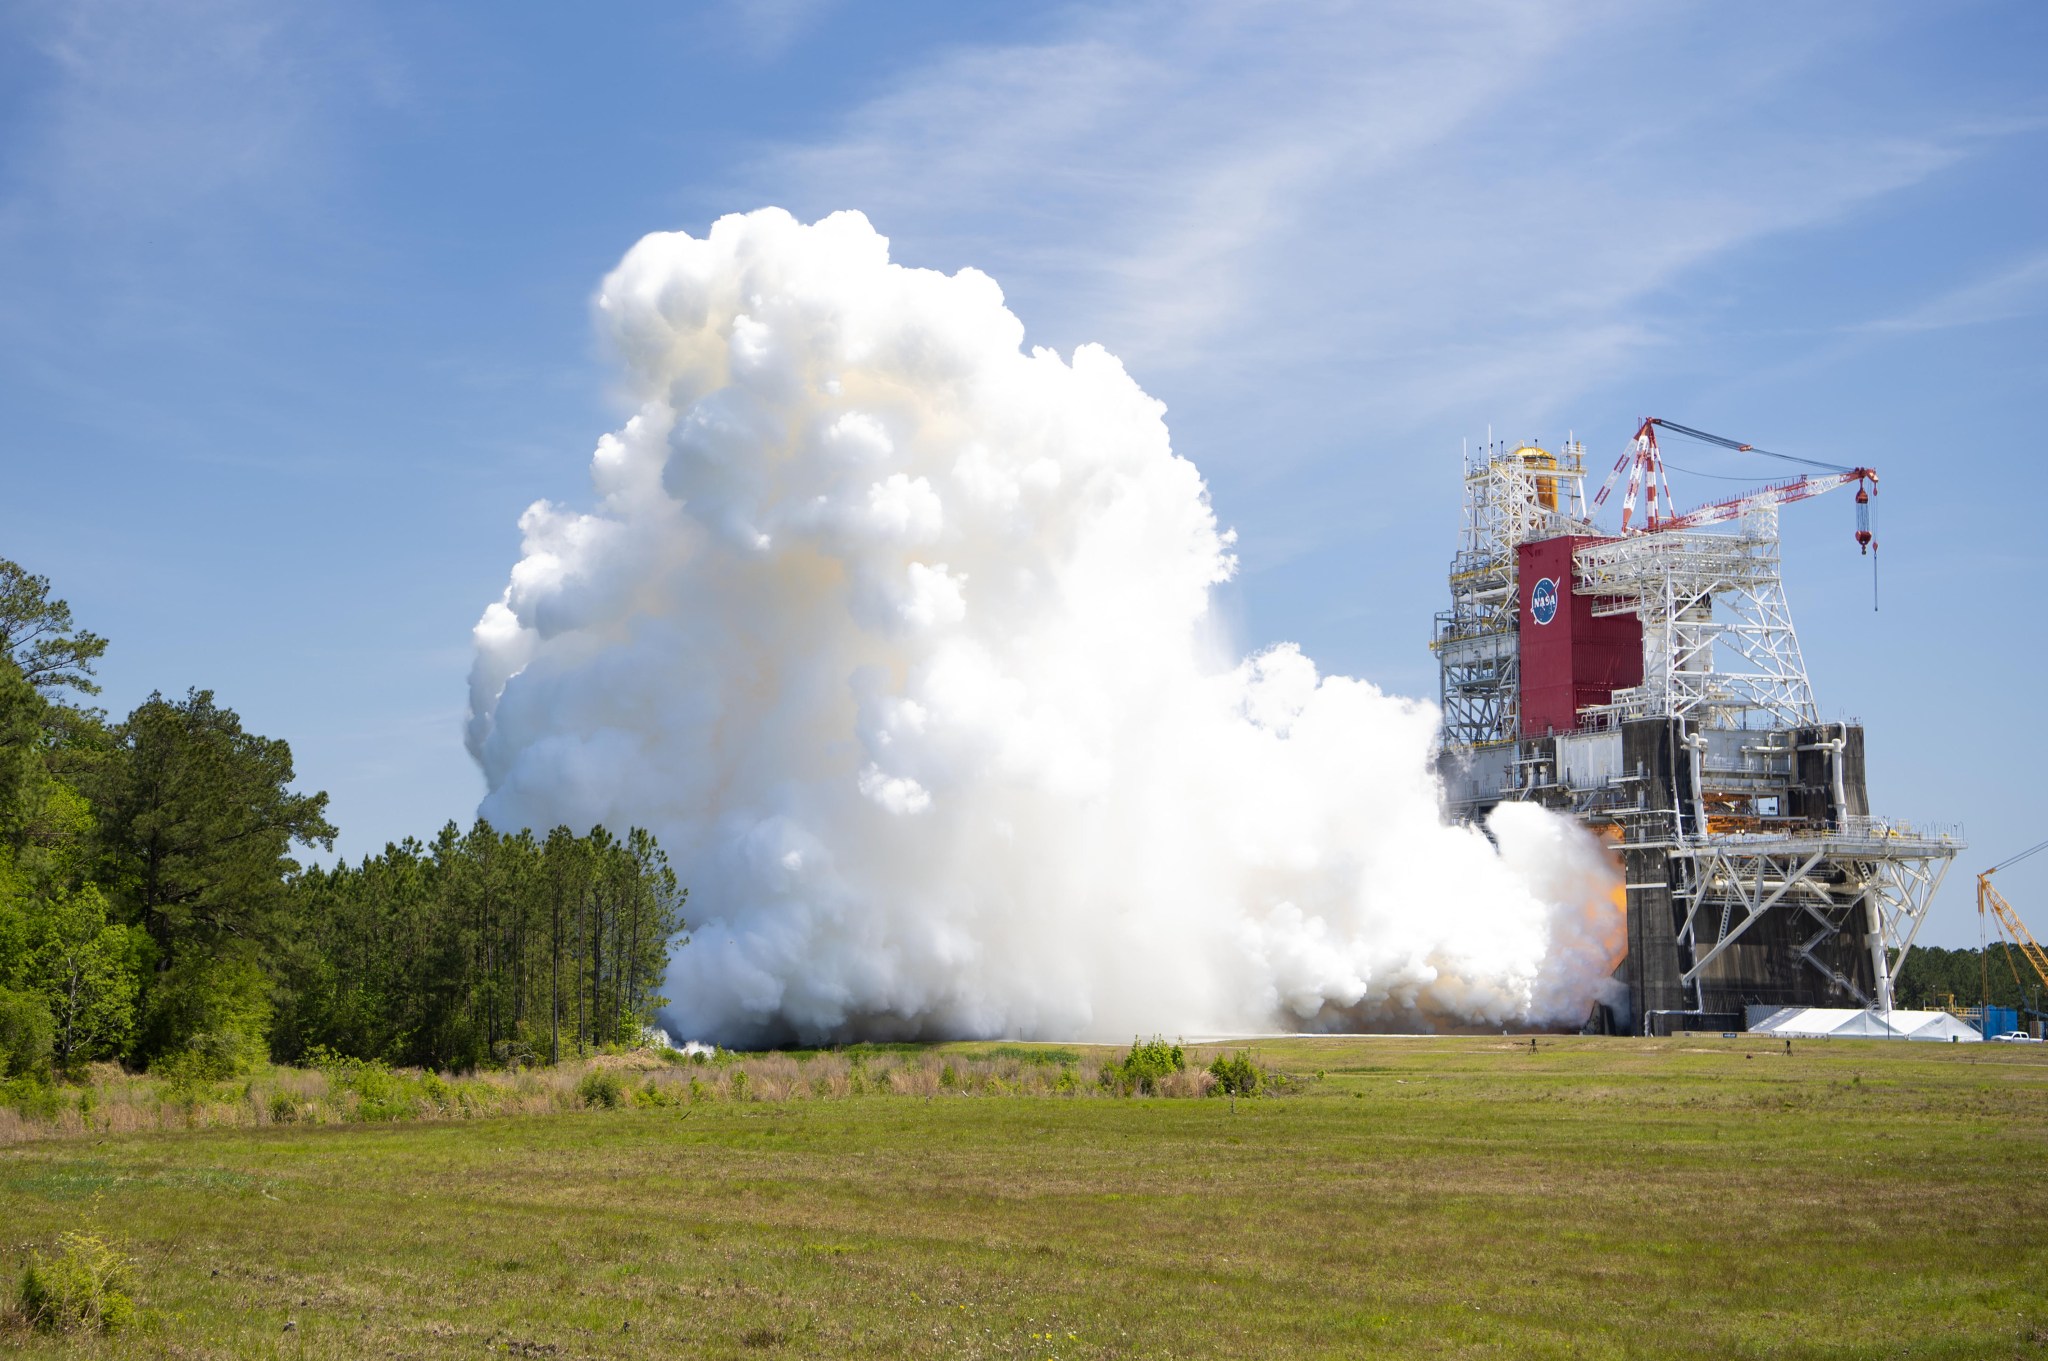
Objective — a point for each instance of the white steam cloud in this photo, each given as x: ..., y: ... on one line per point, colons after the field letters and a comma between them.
x: 899, y: 636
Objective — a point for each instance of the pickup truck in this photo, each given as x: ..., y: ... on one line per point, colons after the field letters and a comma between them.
x: 2013, y: 1037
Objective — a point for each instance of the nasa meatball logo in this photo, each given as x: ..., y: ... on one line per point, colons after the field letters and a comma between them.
x: 1543, y: 601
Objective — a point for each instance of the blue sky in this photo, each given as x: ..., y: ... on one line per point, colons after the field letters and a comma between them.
x: 294, y: 309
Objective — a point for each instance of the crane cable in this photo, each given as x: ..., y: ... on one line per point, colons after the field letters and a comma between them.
x: 1741, y: 448
x: 1863, y: 507
x: 2034, y: 849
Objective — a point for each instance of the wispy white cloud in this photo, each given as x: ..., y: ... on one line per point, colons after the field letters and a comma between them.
x: 768, y: 28
x: 1410, y: 210
x: 2020, y: 290
x: 153, y: 110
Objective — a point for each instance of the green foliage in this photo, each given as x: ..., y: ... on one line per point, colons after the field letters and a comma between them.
x: 26, y: 1034
x: 21, y: 713
x: 1235, y: 1074
x: 37, y: 636
x: 654, y: 1095
x: 33, y: 1097
x: 87, y: 971
x: 602, y: 1087
x: 82, y: 1288
x: 1932, y: 976
x: 200, y: 819
x: 380, y: 1094
x: 484, y: 948
x: 948, y: 1079
x: 1032, y: 1054
x: 150, y: 900
x: 1141, y: 1070
x: 208, y: 1016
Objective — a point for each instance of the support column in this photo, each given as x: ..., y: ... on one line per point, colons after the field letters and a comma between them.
x: 1652, y: 964
x: 1873, y: 920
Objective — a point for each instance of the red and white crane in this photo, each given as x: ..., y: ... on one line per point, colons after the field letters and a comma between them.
x: 1645, y: 465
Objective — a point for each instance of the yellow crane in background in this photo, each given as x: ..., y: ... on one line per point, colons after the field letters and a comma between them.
x: 1992, y: 905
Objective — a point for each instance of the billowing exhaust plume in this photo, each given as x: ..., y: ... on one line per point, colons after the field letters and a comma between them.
x: 899, y: 636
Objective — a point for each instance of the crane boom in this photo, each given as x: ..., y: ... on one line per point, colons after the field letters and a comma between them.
x: 1775, y: 494
x: 1645, y: 465
x: 2014, y: 929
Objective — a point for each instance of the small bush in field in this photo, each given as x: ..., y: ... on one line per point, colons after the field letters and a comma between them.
x: 698, y: 1091
x: 1140, y: 1070
x: 1069, y: 1080
x: 739, y: 1084
x: 602, y: 1087
x: 1236, y: 1075
x: 284, y: 1108
x: 656, y: 1095
x: 81, y: 1289
x: 380, y: 1093
x: 32, y: 1097
x: 948, y: 1078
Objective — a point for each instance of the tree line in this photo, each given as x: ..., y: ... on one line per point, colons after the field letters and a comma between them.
x: 484, y: 945
x: 1998, y: 974
x: 152, y: 910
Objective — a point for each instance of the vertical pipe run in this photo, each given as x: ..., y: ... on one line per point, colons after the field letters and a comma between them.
x: 1874, y: 927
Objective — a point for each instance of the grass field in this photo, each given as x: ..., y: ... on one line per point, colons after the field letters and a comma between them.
x: 1437, y: 1198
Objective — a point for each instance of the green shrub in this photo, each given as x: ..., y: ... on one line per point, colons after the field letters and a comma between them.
x: 1022, y: 1054
x: 81, y: 1289
x: 26, y: 1035
x: 208, y: 1056
x: 1141, y: 1069
x: 948, y: 1079
x: 284, y: 1108
x: 381, y: 1095
x: 739, y: 1084
x: 602, y: 1087
x: 208, y: 1018
x: 34, y: 1098
x: 1236, y: 1075
x: 656, y: 1095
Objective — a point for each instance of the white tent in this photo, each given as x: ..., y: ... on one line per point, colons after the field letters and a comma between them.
x: 1946, y: 1029
x: 1848, y: 1023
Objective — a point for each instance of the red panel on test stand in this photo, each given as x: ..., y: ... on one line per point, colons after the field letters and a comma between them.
x: 1569, y: 658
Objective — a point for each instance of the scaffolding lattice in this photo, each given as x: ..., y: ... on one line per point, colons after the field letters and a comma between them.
x: 1513, y: 495
x: 1718, y: 643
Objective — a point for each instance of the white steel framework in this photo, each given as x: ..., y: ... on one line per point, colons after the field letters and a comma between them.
x: 1869, y: 873
x: 1513, y: 495
x: 1718, y: 643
